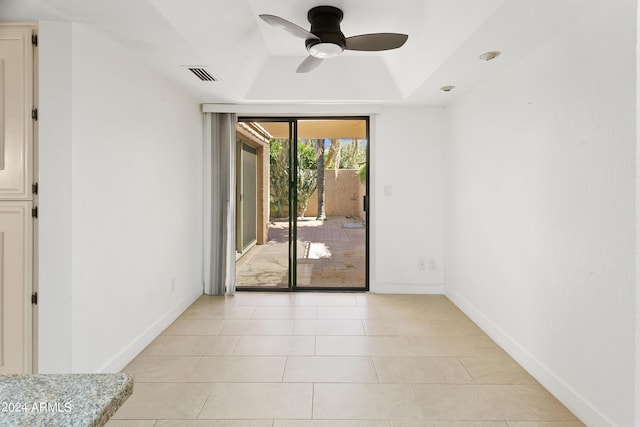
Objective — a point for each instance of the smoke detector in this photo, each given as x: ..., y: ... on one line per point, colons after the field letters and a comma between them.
x: 488, y: 56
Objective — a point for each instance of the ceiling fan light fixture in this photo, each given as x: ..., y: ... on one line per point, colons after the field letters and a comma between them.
x: 325, y: 39
x: 325, y: 50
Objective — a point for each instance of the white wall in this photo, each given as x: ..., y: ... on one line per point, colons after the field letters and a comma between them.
x: 540, y: 213
x: 54, y: 241
x: 407, y: 224
x: 637, y: 233
x: 133, y: 220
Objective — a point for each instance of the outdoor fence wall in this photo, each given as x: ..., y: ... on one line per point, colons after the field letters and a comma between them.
x: 343, y: 195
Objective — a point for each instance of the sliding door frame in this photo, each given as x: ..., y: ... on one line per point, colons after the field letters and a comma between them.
x: 293, y: 221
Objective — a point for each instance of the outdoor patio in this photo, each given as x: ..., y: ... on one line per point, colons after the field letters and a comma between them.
x: 330, y: 254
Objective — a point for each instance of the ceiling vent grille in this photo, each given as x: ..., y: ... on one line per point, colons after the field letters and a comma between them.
x: 202, y: 74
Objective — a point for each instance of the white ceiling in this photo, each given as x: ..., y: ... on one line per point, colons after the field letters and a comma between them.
x: 255, y: 62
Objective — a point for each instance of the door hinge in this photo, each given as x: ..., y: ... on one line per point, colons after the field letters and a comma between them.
x: 34, y: 39
x: 34, y: 212
x: 34, y: 298
x: 34, y: 114
x: 34, y: 188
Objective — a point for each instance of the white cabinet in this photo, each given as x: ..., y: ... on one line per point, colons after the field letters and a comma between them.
x: 16, y: 100
x: 17, y: 198
x: 16, y: 225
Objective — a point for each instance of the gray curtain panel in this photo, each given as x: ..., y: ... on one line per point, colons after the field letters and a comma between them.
x: 220, y: 206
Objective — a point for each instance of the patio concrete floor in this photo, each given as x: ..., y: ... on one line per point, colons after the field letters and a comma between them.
x: 330, y: 254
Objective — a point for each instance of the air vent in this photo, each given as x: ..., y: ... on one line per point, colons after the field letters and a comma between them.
x: 202, y: 74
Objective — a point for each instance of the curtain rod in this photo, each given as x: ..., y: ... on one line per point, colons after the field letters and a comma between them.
x: 294, y: 110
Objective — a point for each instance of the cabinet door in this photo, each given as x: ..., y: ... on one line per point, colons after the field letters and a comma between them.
x: 15, y: 287
x: 16, y: 100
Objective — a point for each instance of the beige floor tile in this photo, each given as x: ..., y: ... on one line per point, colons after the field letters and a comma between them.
x: 330, y: 423
x: 214, y: 423
x: 386, y: 327
x: 421, y: 306
x: 189, y: 345
x: 498, y: 370
x: 545, y: 424
x: 195, y: 327
x: 415, y: 326
x: 328, y: 327
x: 376, y: 361
x: 238, y: 369
x: 490, y: 402
x: 391, y: 300
x: 259, y: 401
x: 258, y: 327
x: 213, y: 299
x: 434, y: 370
x: 419, y: 311
x: 541, y: 404
x: 448, y: 424
x: 131, y: 423
x: 355, y: 346
x: 350, y: 313
x: 331, y: 300
x: 275, y: 346
x: 452, y: 346
x: 217, y: 312
x: 164, y: 401
x: 284, y: 312
x: 264, y: 298
x: 161, y: 368
x: 365, y: 402
x: 330, y: 369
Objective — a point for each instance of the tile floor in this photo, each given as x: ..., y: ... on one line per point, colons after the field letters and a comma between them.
x: 331, y: 359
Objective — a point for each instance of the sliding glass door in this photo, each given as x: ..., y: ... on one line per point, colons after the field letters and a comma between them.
x: 246, y: 197
x: 316, y: 218
x: 266, y: 265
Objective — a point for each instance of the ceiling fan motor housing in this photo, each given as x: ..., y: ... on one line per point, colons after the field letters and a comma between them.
x: 325, y: 23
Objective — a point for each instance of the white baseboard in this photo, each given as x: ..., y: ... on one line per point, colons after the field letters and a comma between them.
x: 576, y: 403
x: 144, y: 339
x: 394, y: 288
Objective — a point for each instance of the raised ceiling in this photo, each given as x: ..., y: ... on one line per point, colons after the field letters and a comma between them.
x: 255, y: 62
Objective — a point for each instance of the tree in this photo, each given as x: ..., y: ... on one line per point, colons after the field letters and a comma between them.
x: 307, y: 176
x: 279, y: 177
x: 320, y: 177
x: 333, y: 159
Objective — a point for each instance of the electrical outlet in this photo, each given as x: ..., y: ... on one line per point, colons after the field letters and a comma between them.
x: 432, y: 265
x: 173, y: 285
x: 422, y: 265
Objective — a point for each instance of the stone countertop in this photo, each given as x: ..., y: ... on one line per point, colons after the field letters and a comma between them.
x: 63, y: 400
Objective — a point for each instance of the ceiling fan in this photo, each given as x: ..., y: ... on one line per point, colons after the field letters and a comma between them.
x: 325, y: 40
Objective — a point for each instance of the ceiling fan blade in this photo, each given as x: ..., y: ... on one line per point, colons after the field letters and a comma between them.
x: 308, y: 64
x: 376, y: 41
x: 288, y: 26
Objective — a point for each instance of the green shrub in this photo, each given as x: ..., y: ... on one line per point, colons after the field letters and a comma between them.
x: 362, y: 173
x: 279, y: 177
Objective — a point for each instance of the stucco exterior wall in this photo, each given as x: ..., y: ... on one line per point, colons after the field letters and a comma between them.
x: 343, y: 196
